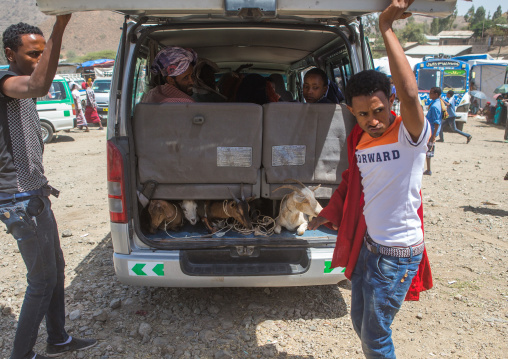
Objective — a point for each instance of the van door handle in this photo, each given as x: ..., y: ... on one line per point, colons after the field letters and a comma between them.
x: 198, y: 120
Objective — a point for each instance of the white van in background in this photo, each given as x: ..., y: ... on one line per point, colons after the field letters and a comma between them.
x: 56, y: 109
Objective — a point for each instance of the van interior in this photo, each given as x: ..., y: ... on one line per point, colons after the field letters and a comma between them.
x: 206, y: 151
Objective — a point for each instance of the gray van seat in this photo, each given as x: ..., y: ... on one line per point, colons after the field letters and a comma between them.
x: 199, y: 150
x: 306, y: 142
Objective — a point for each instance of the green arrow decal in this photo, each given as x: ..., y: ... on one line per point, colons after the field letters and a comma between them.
x: 138, y: 269
x: 159, y: 269
x: 328, y: 265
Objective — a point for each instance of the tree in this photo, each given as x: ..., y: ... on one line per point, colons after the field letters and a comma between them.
x: 498, y: 13
x: 413, y: 32
x: 104, y: 54
x: 439, y: 25
x: 469, y: 13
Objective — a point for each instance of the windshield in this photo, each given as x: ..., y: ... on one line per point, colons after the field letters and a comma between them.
x: 101, y: 86
x: 454, y: 80
x: 428, y: 78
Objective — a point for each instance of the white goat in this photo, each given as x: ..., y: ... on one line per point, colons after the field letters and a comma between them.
x: 190, y: 209
x: 297, y: 208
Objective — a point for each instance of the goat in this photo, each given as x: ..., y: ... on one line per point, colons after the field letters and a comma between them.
x: 236, y: 208
x: 296, y: 206
x: 190, y: 209
x: 164, y: 215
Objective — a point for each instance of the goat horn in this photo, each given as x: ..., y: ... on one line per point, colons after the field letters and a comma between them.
x: 234, y: 197
x: 296, y: 189
x: 313, y: 189
x: 241, y: 190
x: 295, y: 180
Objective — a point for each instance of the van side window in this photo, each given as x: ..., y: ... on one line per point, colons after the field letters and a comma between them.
x: 140, y: 82
x: 56, y: 93
x: 342, y: 72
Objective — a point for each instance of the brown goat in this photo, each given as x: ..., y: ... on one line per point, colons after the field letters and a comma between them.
x: 236, y: 208
x: 164, y: 215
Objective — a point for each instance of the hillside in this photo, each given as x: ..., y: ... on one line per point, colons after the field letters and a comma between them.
x: 87, y: 32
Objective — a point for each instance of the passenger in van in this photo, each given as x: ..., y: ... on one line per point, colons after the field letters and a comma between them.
x: 377, y: 207
x: 253, y: 89
x: 174, y: 65
x: 205, y: 89
x: 273, y: 95
x: 280, y: 88
x: 317, y: 88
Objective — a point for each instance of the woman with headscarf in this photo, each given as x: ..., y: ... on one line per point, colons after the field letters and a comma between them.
x: 174, y: 65
x: 91, y: 114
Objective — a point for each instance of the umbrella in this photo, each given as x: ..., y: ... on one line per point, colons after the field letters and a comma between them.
x: 501, y: 89
x: 478, y: 94
x: 496, y: 96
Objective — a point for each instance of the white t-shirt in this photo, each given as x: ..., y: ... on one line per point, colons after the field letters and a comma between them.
x: 392, y: 168
x: 75, y: 96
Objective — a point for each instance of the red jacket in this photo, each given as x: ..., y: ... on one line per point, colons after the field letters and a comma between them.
x: 345, y: 210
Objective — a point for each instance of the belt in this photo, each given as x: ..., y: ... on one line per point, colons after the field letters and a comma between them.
x: 46, y: 190
x: 400, y: 252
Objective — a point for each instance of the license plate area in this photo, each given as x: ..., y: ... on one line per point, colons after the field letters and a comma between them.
x: 228, y: 262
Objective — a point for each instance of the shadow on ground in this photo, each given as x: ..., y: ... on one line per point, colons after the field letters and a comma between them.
x: 61, y: 139
x: 196, y: 322
x: 486, y: 210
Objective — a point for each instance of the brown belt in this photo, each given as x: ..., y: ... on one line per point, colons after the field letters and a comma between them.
x: 400, y: 252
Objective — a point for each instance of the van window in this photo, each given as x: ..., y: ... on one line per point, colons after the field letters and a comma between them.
x: 140, y: 82
x: 56, y: 93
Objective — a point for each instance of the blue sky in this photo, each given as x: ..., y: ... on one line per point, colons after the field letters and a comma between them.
x: 489, y: 5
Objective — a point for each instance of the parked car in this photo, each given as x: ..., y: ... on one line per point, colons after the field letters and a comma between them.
x: 214, y: 151
x: 101, y: 87
x: 56, y: 109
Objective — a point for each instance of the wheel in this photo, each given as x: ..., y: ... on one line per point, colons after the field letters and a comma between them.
x: 47, y: 132
x: 460, y: 125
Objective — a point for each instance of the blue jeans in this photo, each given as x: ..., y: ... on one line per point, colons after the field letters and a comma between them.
x: 32, y: 223
x: 451, y: 122
x: 379, y: 286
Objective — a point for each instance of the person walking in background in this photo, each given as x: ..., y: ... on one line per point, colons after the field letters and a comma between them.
x: 91, y: 114
x: 380, y: 229
x: 451, y: 105
x: 80, y: 116
x: 25, y: 207
x: 434, y: 117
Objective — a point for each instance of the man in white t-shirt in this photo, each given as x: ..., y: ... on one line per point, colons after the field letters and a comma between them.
x: 385, y: 242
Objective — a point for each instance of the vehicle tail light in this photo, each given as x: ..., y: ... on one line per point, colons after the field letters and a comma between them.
x: 73, y: 110
x: 116, y: 185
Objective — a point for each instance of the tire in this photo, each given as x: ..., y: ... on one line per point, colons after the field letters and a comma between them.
x: 47, y: 132
x: 460, y: 125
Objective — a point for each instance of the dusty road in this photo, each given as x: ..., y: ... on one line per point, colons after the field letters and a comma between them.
x: 464, y: 316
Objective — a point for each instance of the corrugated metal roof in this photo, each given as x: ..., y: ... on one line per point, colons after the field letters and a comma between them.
x: 456, y: 34
x: 451, y: 50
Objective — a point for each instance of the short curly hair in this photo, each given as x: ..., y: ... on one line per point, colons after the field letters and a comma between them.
x: 12, y: 35
x: 367, y: 82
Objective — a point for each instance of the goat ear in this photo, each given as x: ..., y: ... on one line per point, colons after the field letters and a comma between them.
x: 250, y: 199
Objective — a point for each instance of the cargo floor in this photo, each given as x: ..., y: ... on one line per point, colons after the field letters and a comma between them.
x: 199, y: 231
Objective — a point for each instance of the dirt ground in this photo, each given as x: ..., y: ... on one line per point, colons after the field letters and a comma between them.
x: 465, y: 315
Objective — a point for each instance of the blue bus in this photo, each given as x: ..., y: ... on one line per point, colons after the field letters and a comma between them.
x: 447, y: 74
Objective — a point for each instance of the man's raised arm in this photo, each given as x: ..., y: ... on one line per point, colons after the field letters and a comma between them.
x: 402, y: 74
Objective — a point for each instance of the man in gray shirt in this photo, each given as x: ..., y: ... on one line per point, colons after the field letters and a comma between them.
x: 25, y: 207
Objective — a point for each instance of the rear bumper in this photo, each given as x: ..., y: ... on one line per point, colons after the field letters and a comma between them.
x: 163, y: 269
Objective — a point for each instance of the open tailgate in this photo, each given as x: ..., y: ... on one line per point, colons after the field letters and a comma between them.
x: 302, y: 8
